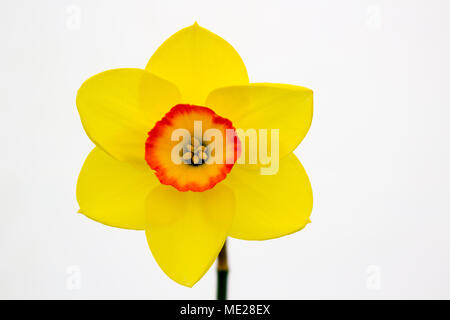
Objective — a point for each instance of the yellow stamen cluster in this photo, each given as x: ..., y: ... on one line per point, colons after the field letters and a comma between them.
x: 195, y: 153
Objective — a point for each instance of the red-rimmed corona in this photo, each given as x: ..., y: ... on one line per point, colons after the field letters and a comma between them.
x: 192, y: 148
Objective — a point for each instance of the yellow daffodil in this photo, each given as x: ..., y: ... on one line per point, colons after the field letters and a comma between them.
x: 188, y: 209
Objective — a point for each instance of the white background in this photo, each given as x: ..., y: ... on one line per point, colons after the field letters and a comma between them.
x: 377, y: 152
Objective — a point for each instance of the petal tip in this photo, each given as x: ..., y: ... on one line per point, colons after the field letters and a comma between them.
x: 188, y: 284
x: 184, y: 282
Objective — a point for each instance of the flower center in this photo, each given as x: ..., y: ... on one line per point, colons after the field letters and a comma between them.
x: 195, y: 153
x: 192, y: 148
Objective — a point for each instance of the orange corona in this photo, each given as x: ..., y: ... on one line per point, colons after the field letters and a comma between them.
x: 194, y: 171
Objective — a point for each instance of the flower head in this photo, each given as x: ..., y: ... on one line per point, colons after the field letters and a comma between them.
x: 182, y: 153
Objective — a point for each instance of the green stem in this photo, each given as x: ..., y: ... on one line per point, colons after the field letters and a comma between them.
x: 222, y: 273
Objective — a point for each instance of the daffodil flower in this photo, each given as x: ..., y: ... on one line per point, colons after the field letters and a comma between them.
x: 188, y: 209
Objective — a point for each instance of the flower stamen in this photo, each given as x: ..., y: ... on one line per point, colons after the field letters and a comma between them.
x: 195, y: 153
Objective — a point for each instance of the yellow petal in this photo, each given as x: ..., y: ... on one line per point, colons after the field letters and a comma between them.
x: 114, y: 192
x: 270, y: 206
x: 198, y: 61
x: 186, y: 230
x: 267, y: 106
x: 119, y: 107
